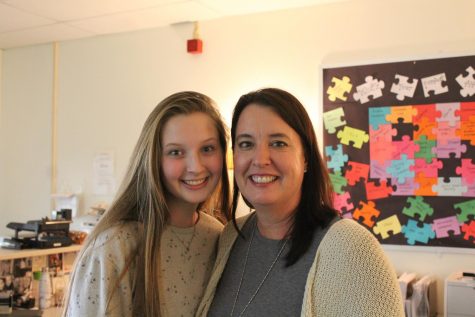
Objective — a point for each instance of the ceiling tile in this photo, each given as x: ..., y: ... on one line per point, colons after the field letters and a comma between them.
x: 12, y: 19
x: 150, y: 18
x: 44, y: 34
x: 66, y: 10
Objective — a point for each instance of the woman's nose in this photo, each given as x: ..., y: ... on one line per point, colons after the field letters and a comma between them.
x: 261, y: 155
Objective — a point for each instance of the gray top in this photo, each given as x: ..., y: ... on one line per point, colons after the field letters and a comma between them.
x: 282, y: 292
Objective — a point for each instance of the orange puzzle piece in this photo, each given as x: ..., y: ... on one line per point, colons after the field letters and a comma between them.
x: 367, y: 212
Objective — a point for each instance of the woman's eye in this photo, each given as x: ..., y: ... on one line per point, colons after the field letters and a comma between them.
x: 244, y: 145
x: 278, y: 144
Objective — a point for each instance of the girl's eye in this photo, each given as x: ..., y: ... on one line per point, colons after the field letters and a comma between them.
x: 209, y: 148
x: 175, y: 153
x: 278, y: 144
x: 244, y: 145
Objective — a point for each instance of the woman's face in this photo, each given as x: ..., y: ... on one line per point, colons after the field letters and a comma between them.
x: 192, y: 158
x: 269, y: 160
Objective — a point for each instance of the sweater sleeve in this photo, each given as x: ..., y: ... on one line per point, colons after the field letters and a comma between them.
x: 97, y: 272
x: 351, y: 276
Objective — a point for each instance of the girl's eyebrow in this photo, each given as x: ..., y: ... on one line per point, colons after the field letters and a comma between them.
x: 243, y: 135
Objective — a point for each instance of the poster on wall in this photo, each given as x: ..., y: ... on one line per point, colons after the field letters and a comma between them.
x: 399, y: 142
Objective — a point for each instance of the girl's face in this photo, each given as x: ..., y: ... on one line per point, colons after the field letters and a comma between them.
x: 192, y: 158
x: 269, y: 161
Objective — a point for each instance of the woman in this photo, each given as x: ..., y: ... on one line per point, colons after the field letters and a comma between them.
x: 152, y: 252
x: 292, y: 256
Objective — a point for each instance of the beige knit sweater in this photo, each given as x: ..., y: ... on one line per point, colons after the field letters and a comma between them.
x: 350, y: 276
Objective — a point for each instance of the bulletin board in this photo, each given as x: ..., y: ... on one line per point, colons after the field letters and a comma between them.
x: 399, y: 141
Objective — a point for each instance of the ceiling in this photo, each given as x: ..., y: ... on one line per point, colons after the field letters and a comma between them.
x: 30, y: 22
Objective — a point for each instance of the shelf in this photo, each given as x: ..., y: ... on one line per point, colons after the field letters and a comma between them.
x: 7, y: 254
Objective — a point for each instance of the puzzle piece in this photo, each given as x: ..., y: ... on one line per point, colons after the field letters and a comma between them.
x: 453, y: 188
x: 426, y: 128
x: 400, y: 170
x: 467, y: 208
x: 378, y: 169
x: 406, y: 146
x: 404, y: 112
x: 467, y: 171
x: 349, y: 134
x: 469, y: 231
x: 427, y: 112
x: 425, y: 185
x: 442, y: 226
x: 339, y: 89
x: 377, y: 116
x: 467, y: 130
x: 356, y: 172
x: 337, y: 158
x: 384, y: 133
x: 373, y: 87
x: 383, y: 227
x: 470, y: 189
x: 448, y: 112
x: 373, y: 191
x: 342, y: 202
x: 467, y: 110
x: 444, y: 132
x: 404, y: 88
x: 435, y: 84
x: 367, y: 212
x: 426, y: 149
x: 332, y: 119
x: 418, y: 206
x: 467, y: 82
x: 453, y: 146
x: 414, y: 233
x: 408, y: 188
x: 427, y: 169
x: 347, y: 215
x: 338, y: 182
x: 381, y: 151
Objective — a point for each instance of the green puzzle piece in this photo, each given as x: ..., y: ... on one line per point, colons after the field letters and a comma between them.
x: 467, y: 208
x: 338, y: 182
x: 418, y: 206
x: 425, y: 149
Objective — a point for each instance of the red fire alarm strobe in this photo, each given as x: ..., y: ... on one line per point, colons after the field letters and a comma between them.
x: 194, y: 46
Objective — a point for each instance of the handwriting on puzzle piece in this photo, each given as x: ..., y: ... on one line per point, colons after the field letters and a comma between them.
x: 467, y: 82
x: 414, y: 233
x: 349, y: 134
x: 372, y: 88
x: 442, y: 226
x: 390, y: 224
x: 339, y: 89
x: 434, y: 84
x: 367, y: 211
x: 404, y: 87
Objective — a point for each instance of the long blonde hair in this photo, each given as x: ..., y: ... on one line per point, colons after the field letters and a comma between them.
x: 141, y: 196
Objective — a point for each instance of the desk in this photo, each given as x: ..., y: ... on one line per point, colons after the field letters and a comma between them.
x: 7, y: 254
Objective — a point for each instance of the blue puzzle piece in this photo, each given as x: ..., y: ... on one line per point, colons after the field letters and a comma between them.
x: 377, y: 116
x: 414, y: 233
x: 400, y: 169
x: 337, y: 158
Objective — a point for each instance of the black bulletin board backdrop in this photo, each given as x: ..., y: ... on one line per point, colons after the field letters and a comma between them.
x: 355, y: 114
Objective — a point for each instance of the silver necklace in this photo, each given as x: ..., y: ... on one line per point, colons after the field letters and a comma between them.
x: 244, y: 270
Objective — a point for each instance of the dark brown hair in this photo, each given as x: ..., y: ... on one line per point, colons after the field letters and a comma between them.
x: 315, y: 208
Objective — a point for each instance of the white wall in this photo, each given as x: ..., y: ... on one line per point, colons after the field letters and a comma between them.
x: 108, y: 85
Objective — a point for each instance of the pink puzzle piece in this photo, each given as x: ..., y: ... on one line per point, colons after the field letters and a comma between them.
x: 384, y: 133
x: 378, y: 170
x: 358, y: 171
x: 406, y: 146
x: 449, y: 112
x: 467, y: 171
x: 374, y: 191
x: 445, y: 132
x: 381, y: 151
x: 428, y: 170
x: 442, y: 226
x: 342, y: 202
x: 409, y: 188
x: 453, y: 146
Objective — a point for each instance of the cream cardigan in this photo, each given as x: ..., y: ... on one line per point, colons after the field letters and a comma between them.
x: 350, y: 275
